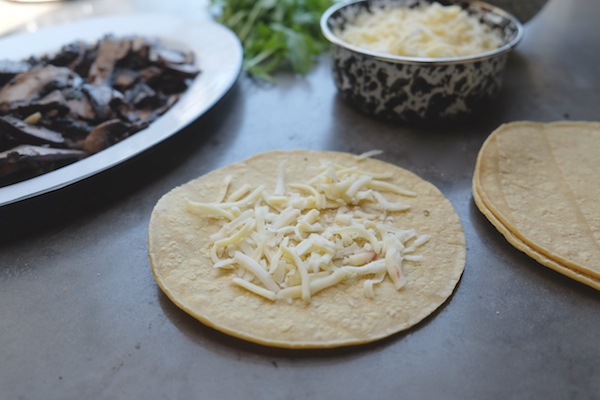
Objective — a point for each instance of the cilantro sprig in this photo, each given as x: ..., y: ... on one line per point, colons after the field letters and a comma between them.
x: 275, y: 34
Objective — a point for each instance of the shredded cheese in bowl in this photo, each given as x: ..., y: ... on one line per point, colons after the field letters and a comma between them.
x: 428, y: 31
x: 297, y: 242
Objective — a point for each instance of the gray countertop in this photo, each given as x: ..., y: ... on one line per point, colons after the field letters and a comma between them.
x: 82, y: 318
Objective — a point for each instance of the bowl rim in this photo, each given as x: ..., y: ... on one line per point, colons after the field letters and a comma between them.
x: 331, y: 37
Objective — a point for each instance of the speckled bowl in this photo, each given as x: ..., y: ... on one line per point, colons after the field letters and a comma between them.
x: 411, y: 89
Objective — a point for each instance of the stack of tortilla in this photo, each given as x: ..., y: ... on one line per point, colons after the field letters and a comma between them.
x: 539, y: 185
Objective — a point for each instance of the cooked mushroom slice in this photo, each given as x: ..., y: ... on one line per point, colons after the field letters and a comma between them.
x: 73, y: 130
x: 167, y: 103
x: 24, y: 133
x: 124, y: 78
x: 70, y: 55
x: 80, y: 105
x: 150, y: 74
x: 34, y: 84
x: 184, y: 71
x: 54, y: 102
x: 110, y: 51
x: 89, y: 57
x: 142, y: 96
x: 138, y: 57
x: 26, y: 161
x: 9, y: 69
x: 104, y: 100
x: 104, y: 135
x: 175, y: 78
x: 170, y: 84
x: 163, y: 55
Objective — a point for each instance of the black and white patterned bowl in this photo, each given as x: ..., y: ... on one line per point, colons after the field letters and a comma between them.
x: 412, y: 89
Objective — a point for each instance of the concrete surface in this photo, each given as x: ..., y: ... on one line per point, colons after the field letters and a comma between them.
x: 82, y: 318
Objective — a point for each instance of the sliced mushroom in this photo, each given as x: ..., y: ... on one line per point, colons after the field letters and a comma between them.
x: 79, y: 103
x: 86, y: 62
x: 70, y: 55
x: 34, y: 84
x: 110, y: 51
x: 138, y: 57
x: 142, y: 96
x: 74, y: 130
x: 150, y: 74
x: 9, y: 69
x: 124, y: 78
x: 26, y: 161
x: 22, y: 132
x: 163, y: 55
x: 88, y: 97
x: 104, y: 100
x: 53, y: 101
x: 105, y: 135
x: 184, y: 71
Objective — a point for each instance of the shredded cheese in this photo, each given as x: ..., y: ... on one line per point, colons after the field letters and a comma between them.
x: 307, y: 237
x: 430, y: 31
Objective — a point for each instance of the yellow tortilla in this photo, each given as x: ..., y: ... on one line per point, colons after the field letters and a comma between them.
x: 531, y: 252
x: 341, y: 315
x: 541, y: 183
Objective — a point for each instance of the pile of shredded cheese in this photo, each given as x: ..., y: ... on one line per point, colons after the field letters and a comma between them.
x: 430, y: 31
x: 306, y: 237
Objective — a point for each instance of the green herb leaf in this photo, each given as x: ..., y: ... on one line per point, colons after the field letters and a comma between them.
x: 275, y: 34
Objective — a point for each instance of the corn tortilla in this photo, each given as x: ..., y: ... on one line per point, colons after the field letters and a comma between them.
x: 540, y: 182
x: 338, y: 316
x: 531, y: 252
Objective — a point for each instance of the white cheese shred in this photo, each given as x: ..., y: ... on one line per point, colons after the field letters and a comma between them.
x: 429, y: 31
x: 280, y: 188
x: 257, y: 270
x: 224, y: 187
x: 255, y: 288
x: 308, y: 237
x: 369, y: 154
